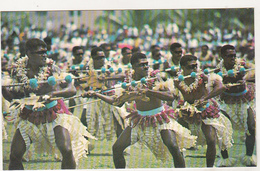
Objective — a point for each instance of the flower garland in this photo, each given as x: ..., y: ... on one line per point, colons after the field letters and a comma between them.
x: 21, y: 71
x: 192, y: 114
x: 238, y: 64
x: 193, y: 86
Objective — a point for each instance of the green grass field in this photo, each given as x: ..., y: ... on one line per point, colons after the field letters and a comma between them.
x: 101, y: 156
x: 138, y: 155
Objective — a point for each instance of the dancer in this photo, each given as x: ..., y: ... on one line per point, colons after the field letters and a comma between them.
x: 200, y: 111
x: 174, y: 60
x: 42, y: 121
x: 152, y: 123
x: 238, y: 101
x: 77, y: 62
x: 102, y: 119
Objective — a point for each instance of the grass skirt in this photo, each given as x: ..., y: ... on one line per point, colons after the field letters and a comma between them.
x: 43, y: 138
x: 100, y: 118
x: 223, y: 129
x: 236, y: 107
x: 151, y: 137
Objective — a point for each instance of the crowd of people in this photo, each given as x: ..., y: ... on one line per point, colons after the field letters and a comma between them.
x: 169, y: 89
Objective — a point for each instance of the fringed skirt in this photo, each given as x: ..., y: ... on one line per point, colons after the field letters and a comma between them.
x: 237, y: 106
x: 146, y: 130
x: 43, y: 139
x: 101, y: 117
x: 210, y: 115
x: 4, y: 133
x: 223, y: 128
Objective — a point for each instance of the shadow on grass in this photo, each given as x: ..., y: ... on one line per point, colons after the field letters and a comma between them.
x: 199, y: 156
x: 34, y: 161
x: 98, y: 154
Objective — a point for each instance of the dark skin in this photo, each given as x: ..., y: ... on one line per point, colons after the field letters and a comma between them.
x: 199, y: 97
x: 98, y: 63
x: 176, y: 56
x: 156, y: 55
x: 126, y: 56
x: 202, y: 95
x: 204, y: 56
x: 229, y: 61
x: 62, y: 137
x: 78, y: 56
x: 107, y: 51
x: 124, y: 140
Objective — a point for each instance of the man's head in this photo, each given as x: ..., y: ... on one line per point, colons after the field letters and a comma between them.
x: 22, y: 48
x: 126, y: 52
x: 176, y: 50
x: 153, y: 47
x: 106, y: 48
x: 114, y: 46
x: 140, y: 64
x: 36, y: 50
x: 155, y: 50
x: 204, y: 49
x: 228, y: 53
x: 192, y: 50
x: 189, y: 64
x: 77, y: 52
x: 136, y: 49
x: 98, y: 57
x: 218, y: 50
x: 48, y: 42
x: 250, y: 52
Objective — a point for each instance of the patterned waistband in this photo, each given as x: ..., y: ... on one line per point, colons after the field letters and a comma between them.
x: 205, y: 62
x: 236, y: 94
x: 151, y: 112
x: 47, y: 106
x: 202, y: 108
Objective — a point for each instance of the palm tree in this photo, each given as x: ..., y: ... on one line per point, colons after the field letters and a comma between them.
x: 201, y: 19
x: 138, y: 18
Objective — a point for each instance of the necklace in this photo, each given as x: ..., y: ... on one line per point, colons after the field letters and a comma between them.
x: 236, y: 67
x: 22, y: 71
x: 193, y: 86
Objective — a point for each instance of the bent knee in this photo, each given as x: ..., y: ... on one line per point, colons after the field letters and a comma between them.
x: 251, y: 125
x: 66, y: 151
x: 211, y: 141
x: 171, y: 144
x: 117, y: 148
x: 65, y: 148
x: 251, y: 130
x: 16, y: 156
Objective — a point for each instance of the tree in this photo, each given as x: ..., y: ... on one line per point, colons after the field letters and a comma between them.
x: 138, y: 18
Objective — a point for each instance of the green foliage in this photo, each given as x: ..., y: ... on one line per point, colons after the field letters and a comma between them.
x: 200, y: 18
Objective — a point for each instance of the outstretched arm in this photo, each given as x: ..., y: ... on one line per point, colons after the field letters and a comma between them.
x: 68, y: 91
x: 163, y: 95
x: 113, y: 100
x: 250, y: 75
x: 9, y: 94
x: 113, y: 77
x: 108, y: 99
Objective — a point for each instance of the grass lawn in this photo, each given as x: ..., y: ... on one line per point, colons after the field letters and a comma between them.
x: 101, y: 157
x: 138, y: 156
